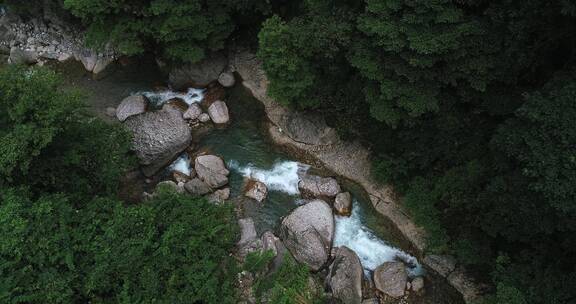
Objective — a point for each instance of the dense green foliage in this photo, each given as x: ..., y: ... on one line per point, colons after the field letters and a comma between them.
x: 65, y: 236
x: 469, y: 107
x: 178, y: 30
x: 289, y: 284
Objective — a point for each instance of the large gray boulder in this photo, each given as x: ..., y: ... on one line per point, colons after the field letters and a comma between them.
x: 211, y: 169
x: 218, y: 112
x: 308, y: 231
x: 390, y: 278
x: 343, y: 204
x: 130, y: 106
x: 249, y: 241
x: 158, y: 137
x: 444, y: 265
x: 219, y: 196
x: 345, y: 276
x: 198, y: 74
x: 308, y: 129
x: 312, y: 186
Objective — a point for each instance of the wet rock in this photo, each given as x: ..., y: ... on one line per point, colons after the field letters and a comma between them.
x: 197, y: 187
x: 256, y: 190
x: 345, y: 276
x: 19, y: 56
x: 204, y: 117
x: 226, y: 79
x: 178, y: 104
x: 442, y: 264
x: 417, y: 284
x: 198, y: 74
x: 219, y: 196
x: 130, y: 106
x: 308, y: 232
x: 213, y: 93
x: 343, y: 204
x: 390, y: 278
x: 218, y: 112
x: 312, y: 186
x: 158, y: 137
x: 211, y: 169
x: 101, y: 65
x: 193, y: 112
x: 180, y: 177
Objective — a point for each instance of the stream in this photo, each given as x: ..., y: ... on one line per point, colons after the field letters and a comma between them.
x: 248, y: 153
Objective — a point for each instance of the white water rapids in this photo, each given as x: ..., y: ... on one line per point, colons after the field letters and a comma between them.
x: 181, y: 164
x: 350, y: 231
x: 160, y: 97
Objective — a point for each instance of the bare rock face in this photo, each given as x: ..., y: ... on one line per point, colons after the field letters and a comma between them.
x: 218, y: 112
x: 198, y: 74
x: 130, y: 106
x: 256, y: 190
x: 312, y: 186
x: 442, y: 264
x: 158, y: 137
x: 226, y: 79
x: 308, y: 232
x: 343, y: 204
x: 345, y: 276
x: 390, y: 278
x: 211, y: 169
x: 193, y: 112
x: 197, y: 187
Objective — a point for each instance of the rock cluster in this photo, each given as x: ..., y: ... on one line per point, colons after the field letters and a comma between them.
x: 38, y: 40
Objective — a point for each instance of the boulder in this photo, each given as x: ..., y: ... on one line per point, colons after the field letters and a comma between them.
x: 390, y: 278
x: 158, y: 137
x: 256, y: 190
x: 218, y: 112
x: 308, y: 231
x: 193, y: 112
x: 226, y: 79
x: 312, y: 186
x: 211, y: 169
x: 343, y: 204
x: 130, y: 106
x: 102, y: 64
x: 345, y: 276
x: 247, y: 231
x: 204, y: 117
x: 180, y: 177
x: 219, y: 196
x: 197, y: 187
x: 88, y: 59
x: 213, y: 93
x: 19, y: 56
x: 269, y: 241
x: 198, y: 74
x: 308, y: 129
x: 417, y: 284
x: 177, y: 103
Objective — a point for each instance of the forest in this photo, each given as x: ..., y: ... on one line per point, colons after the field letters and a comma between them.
x: 468, y: 106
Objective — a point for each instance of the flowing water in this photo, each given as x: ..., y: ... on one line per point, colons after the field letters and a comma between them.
x: 249, y: 154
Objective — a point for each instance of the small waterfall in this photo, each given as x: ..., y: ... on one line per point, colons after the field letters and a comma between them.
x: 372, y: 251
x: 283, y: 176
x: 181, y: 164
x: 160, y: 97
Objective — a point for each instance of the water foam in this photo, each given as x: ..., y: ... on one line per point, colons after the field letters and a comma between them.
x: 181, y: 164
x: 283, y: 176
x: 372, y: 251
x: 160, y: 97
